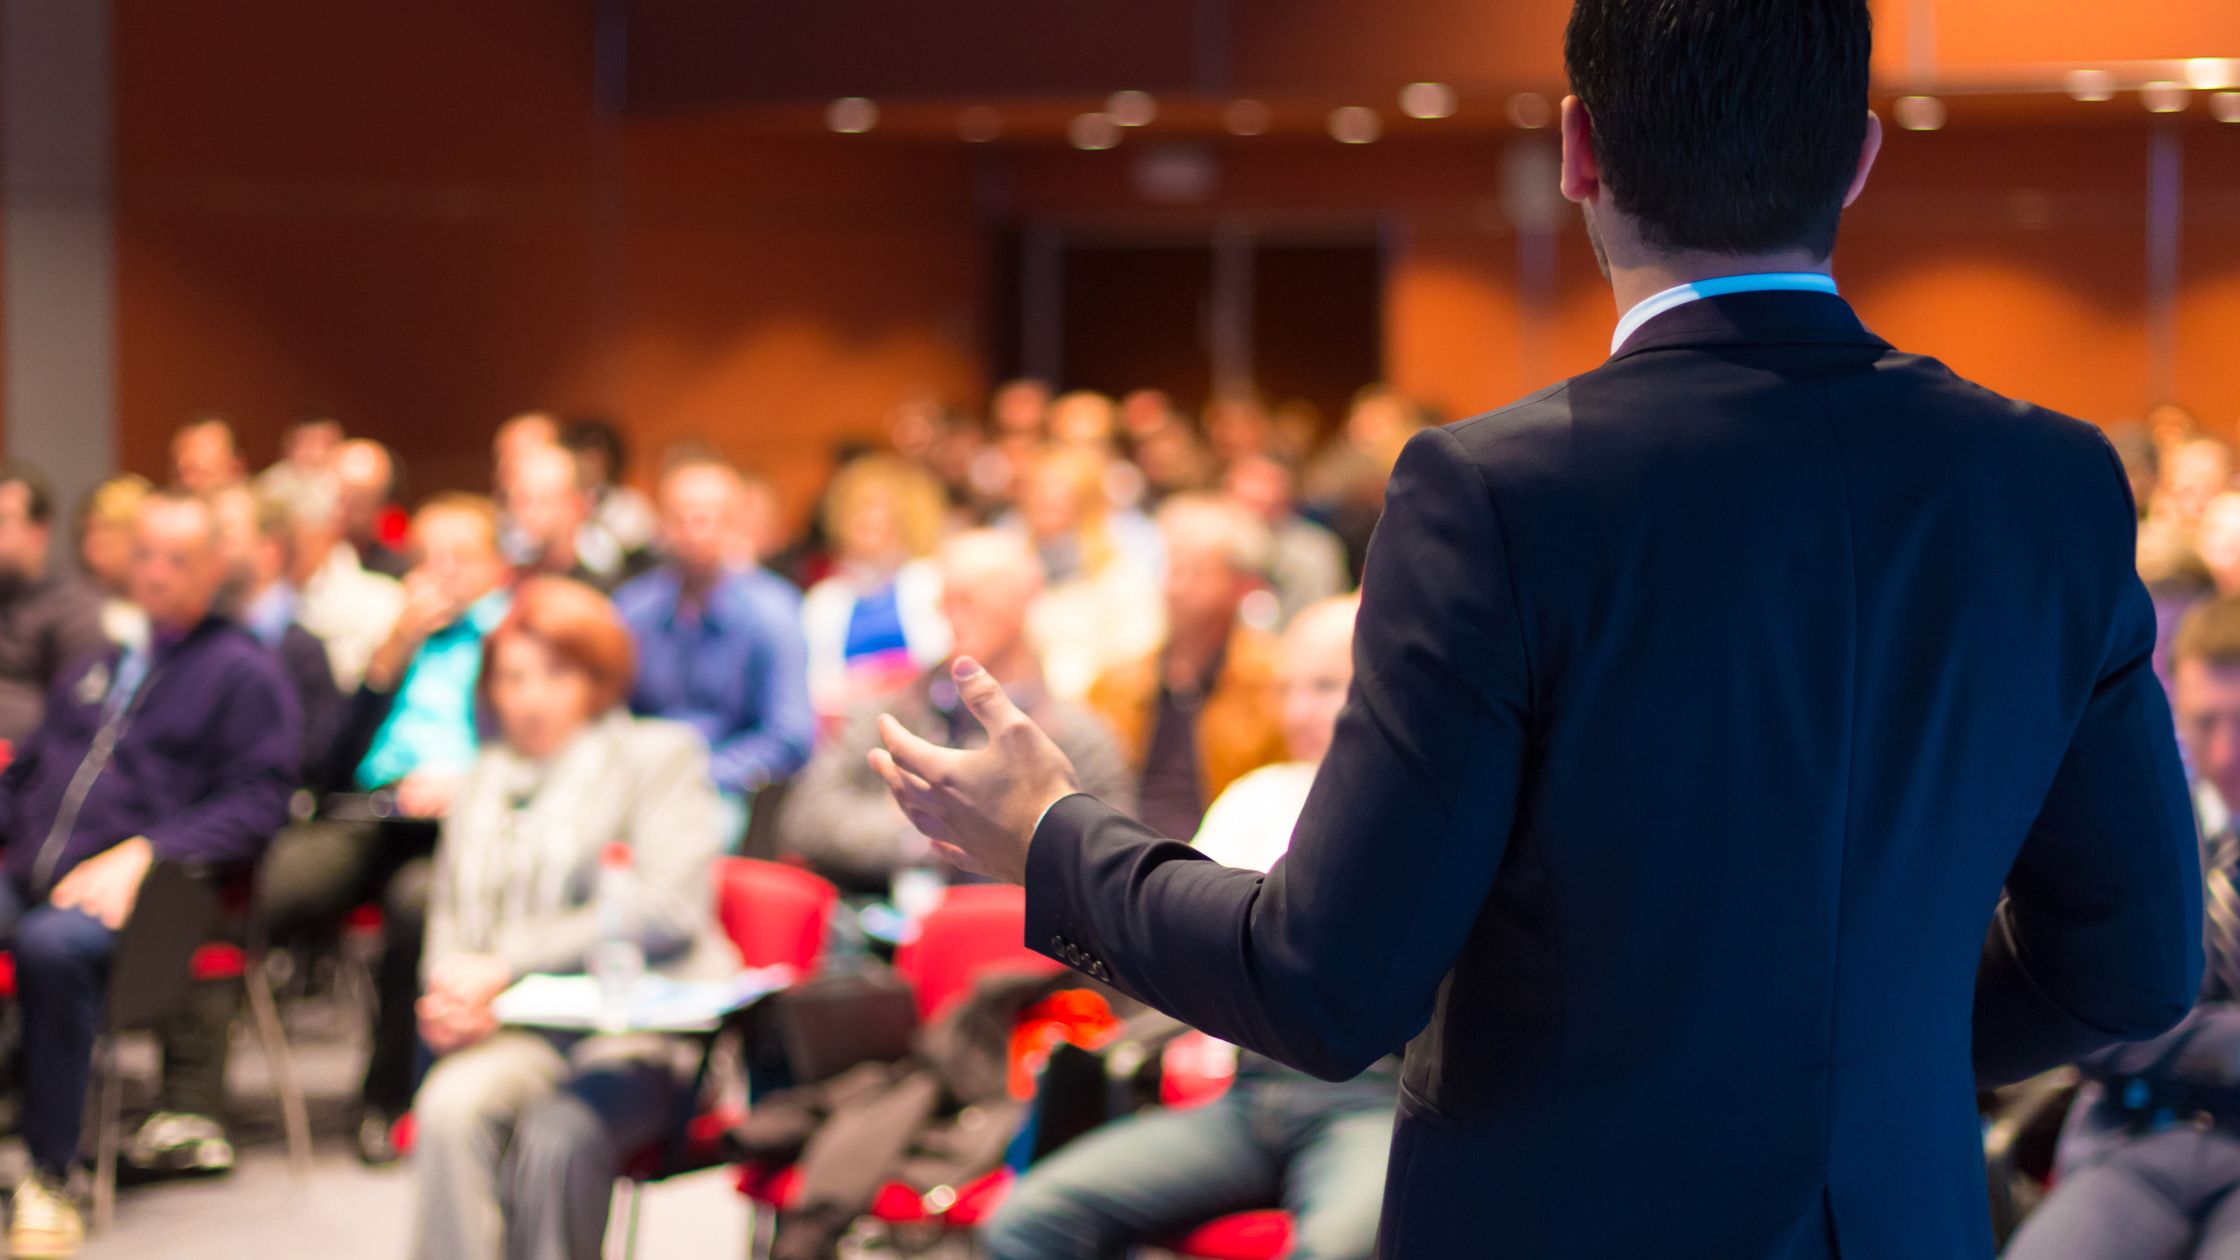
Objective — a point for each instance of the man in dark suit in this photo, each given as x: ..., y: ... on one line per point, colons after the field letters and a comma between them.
x: 1753, y: 743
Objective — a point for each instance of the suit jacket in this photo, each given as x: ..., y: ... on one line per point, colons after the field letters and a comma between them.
x: 1704, y: 706
x: 1240, y: 725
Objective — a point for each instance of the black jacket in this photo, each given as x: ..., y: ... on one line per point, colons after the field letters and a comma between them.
x: 1703, y: 707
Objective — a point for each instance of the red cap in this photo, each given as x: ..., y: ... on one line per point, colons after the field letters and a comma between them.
x: 615, y: 855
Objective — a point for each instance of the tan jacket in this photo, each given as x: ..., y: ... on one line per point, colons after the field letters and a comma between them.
x: 1240, y: 729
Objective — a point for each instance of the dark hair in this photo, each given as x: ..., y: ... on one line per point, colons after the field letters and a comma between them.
x: 597, y: 433
x: 2210, y: 634
x: 1725, y: 126
x: 38, y: 492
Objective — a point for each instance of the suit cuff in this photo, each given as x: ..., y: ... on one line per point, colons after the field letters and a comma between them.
x: 1053, y: 923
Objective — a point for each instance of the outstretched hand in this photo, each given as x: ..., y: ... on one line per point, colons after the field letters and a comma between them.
x: 980, y: 807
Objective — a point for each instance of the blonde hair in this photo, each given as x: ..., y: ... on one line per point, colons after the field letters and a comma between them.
x: 918, y: 506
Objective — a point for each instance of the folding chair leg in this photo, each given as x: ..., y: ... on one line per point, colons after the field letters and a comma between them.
x: 631, y: 1194
x: 295, y: 1115
x: 107, y: 1136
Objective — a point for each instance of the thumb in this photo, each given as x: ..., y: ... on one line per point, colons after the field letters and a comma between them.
x: 983, y: 695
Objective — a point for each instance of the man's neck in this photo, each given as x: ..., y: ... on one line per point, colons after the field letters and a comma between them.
x: 1636, y: 281
x: 695, y: 585
x: 1191, y: 652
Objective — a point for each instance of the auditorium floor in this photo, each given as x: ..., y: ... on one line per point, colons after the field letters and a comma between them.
x: 342, y: 1210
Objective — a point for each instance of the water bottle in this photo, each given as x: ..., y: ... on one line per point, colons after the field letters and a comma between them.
x: 619, y: 961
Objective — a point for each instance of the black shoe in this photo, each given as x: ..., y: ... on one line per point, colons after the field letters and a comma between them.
x: 377, y: 1139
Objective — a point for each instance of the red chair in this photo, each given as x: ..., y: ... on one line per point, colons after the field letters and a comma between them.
x: 977, y: 929
x: 775, y: 915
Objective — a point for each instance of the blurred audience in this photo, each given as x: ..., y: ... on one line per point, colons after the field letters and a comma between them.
x: 1201, y: 710
x: 307, y: 454
x: 348, y: 607
x: 1306, y: 562
x: 1100, y: 606
x: 106, y: 522
x: 182, y: 749
x: 521, y: 1133
x: 623, y: 514
x: 875, y: 623
x: 719, y: 642
x: 551, y: 516
x: 1344, y: 485
x: 406, y: 742
x: 839, y: 816
x: 206, y: 457
x: 1277, y: 1137
x: 2149, y: 1160
x: 366, y: 474
x: 48, y: 622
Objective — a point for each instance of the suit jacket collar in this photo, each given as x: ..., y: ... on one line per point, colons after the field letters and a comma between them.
x: 1753, y: 319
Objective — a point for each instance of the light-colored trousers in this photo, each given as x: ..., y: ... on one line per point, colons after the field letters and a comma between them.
x: 520, y: 1138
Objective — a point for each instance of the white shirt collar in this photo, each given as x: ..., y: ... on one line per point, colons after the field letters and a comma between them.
x: 1680, y: 295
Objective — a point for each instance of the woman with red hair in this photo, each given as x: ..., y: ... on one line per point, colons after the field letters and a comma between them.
x: 521, y: 1132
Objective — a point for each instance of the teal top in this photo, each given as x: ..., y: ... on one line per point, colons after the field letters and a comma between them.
x: 432, y: 724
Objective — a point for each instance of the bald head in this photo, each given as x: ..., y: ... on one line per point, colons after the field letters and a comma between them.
x: 1315, y: 669
x: 545, y: 495
x: 366, y: 477
x: 989, y: 579
x: 177, y: 560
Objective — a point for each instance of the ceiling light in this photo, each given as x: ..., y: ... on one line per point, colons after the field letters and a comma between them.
x: 1531, y: 111
x: 2211, y: 74
x: 1920, y: 113
x: 1245, y: 118
x: 1355, y: 124
x: 1131, y: 108
x: 979, y: 124
x: 2092, y: 85
x: 2163, y: 97
x: 1093, y: 132
x: 2225, y: 107
x: 1427, y: 100
x: 851, y: 115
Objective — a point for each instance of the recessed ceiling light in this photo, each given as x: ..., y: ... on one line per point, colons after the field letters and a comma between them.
x: 1131, y: 108
x: 1245, y: 117
x: 1093, y: 132
x: 851, y: 115
x: 2163, y: 97
x: 1355, y: 124
x: 1427, y: 100
x: 2211, y: 74
x: 1531, y: 111
x: 979, y: 124
x: 1920, y: 113
x: 2092, y: 85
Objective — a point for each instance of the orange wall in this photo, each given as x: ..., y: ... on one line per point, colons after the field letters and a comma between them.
x: 415, y: 216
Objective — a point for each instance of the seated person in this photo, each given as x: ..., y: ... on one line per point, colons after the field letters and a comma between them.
x: 551, y: 507
x: 875, y: 623
x: 182, y: 749
x: 719, y: 643
x: 839, y: 816
x: 522, y: 1133
x: 1278, y: 1136
x: 49, y: 621
x: 2149, y: 1161
x: 406, y: 741
x: 1100, y: 603
x: 1201, y: 710
x: 186, y: 1132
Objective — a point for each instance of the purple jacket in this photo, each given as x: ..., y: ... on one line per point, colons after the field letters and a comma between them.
x: 204, y: 759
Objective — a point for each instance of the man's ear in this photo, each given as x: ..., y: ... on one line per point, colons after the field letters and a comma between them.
x: 1581, y: 180
x: 1869, y: 149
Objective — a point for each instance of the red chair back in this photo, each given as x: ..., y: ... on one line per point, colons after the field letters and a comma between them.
x: 977, y: 928
x: 774, y: 913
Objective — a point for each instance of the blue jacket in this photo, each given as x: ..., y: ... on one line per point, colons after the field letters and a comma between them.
x: 1707, y: 711
x: 204, y: 758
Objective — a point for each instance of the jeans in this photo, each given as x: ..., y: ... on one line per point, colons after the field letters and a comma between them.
x: 62, y: 972
x: 2166, y: 1194
x: 1274, y: 1140
x: 521, y: 1137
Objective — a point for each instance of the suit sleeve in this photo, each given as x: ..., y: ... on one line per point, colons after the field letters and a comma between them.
x: 1333, y: 959
x: 2098, y: 939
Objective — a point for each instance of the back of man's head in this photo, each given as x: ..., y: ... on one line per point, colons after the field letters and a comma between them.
x: 1725, y: 126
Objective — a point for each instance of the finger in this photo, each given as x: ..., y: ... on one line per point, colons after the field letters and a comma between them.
x: 920, y: 757
x: 984, y: 696
x: 905, y: 785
